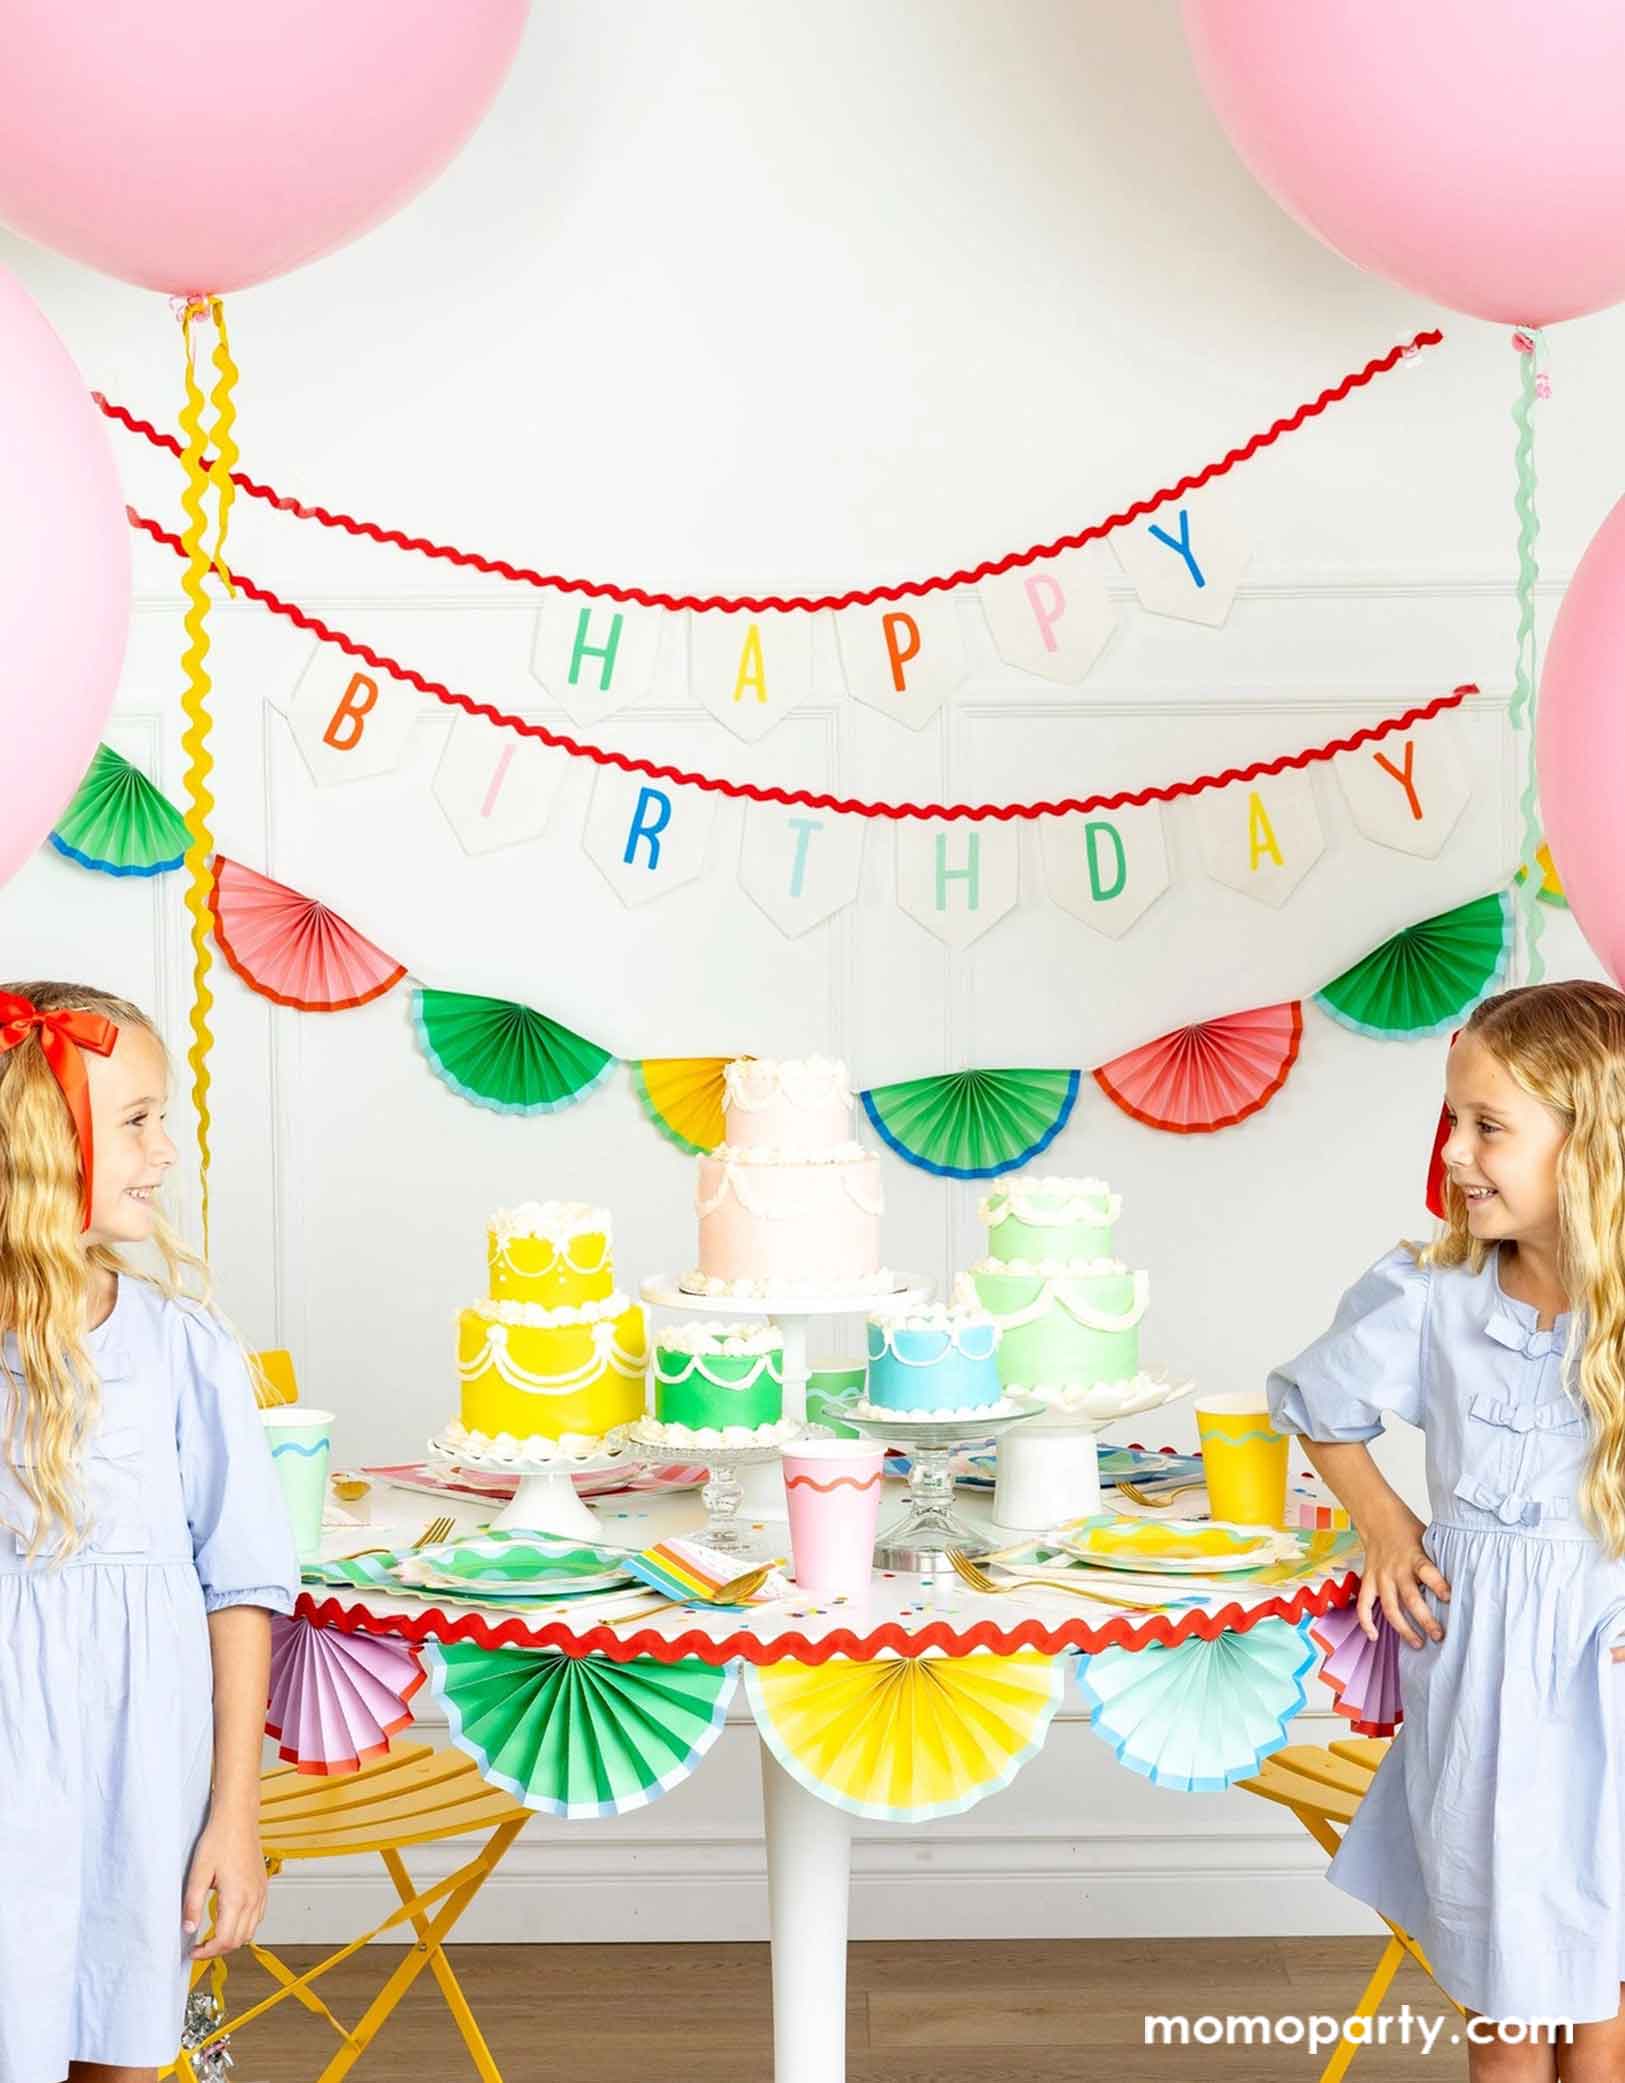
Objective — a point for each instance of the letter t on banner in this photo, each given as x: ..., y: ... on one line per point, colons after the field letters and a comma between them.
x: 800, y: 866
x: 958, y: 879
x: 647, y: 838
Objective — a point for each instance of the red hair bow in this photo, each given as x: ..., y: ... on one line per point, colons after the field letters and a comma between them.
x: 62, y: 1035
x: 1436, y: 1201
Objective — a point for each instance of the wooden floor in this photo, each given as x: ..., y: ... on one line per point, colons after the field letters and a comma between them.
x: 1064, y: 2010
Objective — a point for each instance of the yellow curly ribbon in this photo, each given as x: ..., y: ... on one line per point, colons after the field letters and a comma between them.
x: 225, y: 448
x: 198, y: 801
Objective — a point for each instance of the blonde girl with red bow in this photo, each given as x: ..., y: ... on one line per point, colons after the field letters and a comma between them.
x: 143, y: 1547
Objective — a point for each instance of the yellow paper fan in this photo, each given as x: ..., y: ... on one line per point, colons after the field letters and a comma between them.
x: 906, y: 1739
x: 682, y: 1096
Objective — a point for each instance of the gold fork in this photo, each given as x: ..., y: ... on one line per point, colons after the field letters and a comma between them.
x: 979, y: 1580
x: 1160, y: 1497
x: 434, y: 1533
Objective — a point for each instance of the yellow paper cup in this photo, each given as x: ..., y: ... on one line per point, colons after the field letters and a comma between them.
x: 1244, y: 1458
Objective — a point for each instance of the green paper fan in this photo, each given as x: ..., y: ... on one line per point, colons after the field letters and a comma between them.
x: 1425, y: 978
x: 579, y: 1737
x: 973, y: 1124
x: 119, y: 822
x: 504, y: 1056
x: 1199, y: 1715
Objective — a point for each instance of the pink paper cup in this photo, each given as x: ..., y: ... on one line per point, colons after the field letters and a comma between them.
x: 832, y: 1494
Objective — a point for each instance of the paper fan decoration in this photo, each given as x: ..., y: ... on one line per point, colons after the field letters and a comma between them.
x: 504, y: 1056
x: 292, y: 949
x: 1424, y: 978
x: 905, y: 1739
x: 973, y: 1124
x: 1363, y: 1674
x: 1551, y: 883
x: 580, y: 1737
x: 1199, y: 1715
x: 682, y: 1096
x: 119, y: 822
x: 1208, y: 1076
x: 336, y: 1699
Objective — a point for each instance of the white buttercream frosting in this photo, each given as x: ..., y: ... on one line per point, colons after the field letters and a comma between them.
x: 738, y: 1340
x: 1104, y: 1400
x: 536, y: 1448
x: 1050, y: 1201
x: 536, y: 1318
x: 653, y: 1433
x: 936, y: 1316
x: 966, y: 1414
x: 557, y: 1221
x: 752, y: 1082
x: 884, y: 1281
x: 773, y: 1153
x: 1051, y: 1268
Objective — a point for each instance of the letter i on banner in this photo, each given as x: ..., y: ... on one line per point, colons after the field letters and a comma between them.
x: 1407, y: 792
x: 1107, y: 868
x: 906, y: 658
x: 647, y: 838
x: 351, y: 723
x: 749, y: 671
x: 594, y: 656
x: 1052, y: 618
x: 496, y: 786
x: 1261, y: 838
x: 800, y: 866
x: 958, y: 879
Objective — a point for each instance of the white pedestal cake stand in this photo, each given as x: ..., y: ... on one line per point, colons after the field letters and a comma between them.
x: 546, y: 1500
x: 762, y: 1489
x: 1049, y: 1471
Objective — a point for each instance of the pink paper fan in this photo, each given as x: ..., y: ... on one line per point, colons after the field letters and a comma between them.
x: 1208, y: 1076
x: 336, y: 1699
x: 290, y: 948
x: 1363, y: 1675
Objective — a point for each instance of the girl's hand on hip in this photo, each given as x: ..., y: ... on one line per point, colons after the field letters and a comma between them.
x: 228, y: 1860
x: 1396, y: 1570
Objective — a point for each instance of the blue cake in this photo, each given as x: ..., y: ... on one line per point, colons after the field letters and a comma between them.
x: 933, y: 1363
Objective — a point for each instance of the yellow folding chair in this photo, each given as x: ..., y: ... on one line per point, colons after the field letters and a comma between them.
x: 1323, y: 1787
x: 416, y: 1795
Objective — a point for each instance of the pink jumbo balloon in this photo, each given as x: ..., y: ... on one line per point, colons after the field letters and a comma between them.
x: 1470, y: 150
x: 197, y: 149
x: 64, y: 576
x: 1580, y: 743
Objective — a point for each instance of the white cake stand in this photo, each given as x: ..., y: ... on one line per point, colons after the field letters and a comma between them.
x: 1049, y: 1471
x: 546, y: 1500
x: 930, y: 1526
x: 763, y: 1494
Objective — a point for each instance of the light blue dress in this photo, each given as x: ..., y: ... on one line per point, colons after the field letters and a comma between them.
x: 1493, y: 1829
x: 106, y: 1688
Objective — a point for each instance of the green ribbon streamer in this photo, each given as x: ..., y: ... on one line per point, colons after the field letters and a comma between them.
x: 1521, y: 712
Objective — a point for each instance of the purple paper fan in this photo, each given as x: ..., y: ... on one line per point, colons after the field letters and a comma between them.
x: 336, y: 1699
x: 1363, y: 1674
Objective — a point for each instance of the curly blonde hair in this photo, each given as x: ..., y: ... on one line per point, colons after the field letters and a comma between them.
x: 54, y: 1398
x: 1565, y: 1045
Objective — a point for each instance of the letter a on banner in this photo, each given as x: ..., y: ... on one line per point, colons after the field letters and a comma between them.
x: 1052, y: 618
x: 1108, y: 868
x: 1261, y: 838
x: 749, y: 671
x: 351, y: 724
x: 1407, y: 792
x: 800, y: 866
x: 905, y: 657
x: 958, y: 879
x: 647, y: 838
x: 595, y: 656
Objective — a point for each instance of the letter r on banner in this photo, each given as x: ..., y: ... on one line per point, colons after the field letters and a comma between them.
x: 648, y: 828
x: 347, y: 724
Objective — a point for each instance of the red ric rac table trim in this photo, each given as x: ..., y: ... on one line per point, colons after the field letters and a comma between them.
x: 750, y: 603
x: 625, y: 1646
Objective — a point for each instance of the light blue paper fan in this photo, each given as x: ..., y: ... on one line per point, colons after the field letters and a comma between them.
x: 1199, y: 1715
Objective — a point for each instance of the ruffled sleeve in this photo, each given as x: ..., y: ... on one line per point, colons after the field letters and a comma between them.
x: 1367, y: 1367
x: 241, y: 1538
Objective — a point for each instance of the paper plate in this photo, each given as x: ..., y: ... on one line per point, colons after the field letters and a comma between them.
x: 1176, y: 1547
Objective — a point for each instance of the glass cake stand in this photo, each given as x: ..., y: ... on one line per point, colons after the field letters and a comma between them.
x: 921, y: 1538
x: 724, y: 1493
x: 546, y: 1500
x: 794, y: 1314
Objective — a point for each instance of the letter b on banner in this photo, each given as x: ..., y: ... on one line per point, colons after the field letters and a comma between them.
x: 349, y: 724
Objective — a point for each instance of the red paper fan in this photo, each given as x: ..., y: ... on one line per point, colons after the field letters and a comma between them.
x: 291, y: 949
x: 1208, y: 1076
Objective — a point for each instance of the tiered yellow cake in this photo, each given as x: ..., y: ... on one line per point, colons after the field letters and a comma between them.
x: 557, y: 1353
